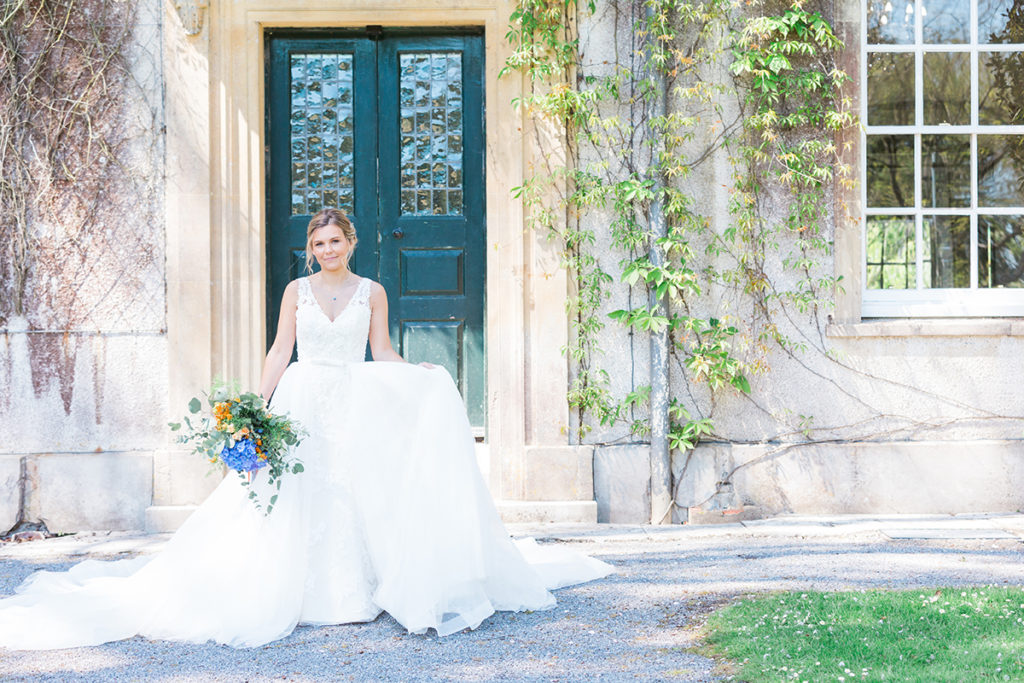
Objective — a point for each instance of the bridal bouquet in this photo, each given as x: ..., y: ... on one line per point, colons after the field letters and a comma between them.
x: 239, y: 432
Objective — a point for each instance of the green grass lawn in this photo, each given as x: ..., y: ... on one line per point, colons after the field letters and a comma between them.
x: 953, y: 634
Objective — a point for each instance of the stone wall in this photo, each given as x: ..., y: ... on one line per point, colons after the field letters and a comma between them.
x: 868, y: 416
x: 83, y: 364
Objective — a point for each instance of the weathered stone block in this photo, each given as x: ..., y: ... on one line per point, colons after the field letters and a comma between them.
x: 883, y: 477
x: 622, y: 483
x: 10, y: 490
x: 560, y: 473
x: 696, y: 473
x: 75, y: 492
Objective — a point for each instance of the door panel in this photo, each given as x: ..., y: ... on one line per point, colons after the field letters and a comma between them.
x: 389, y: 128
x: 432, y: 231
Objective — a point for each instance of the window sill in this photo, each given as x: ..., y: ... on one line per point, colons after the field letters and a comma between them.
x: 929, y: 327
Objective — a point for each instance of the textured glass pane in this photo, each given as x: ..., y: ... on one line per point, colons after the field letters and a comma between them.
x: 314, y: 200
x: 891, y: 89
x: 314, y: 175
x: 947, y: 259
x: 947, y: 88
x: 890, y: 21
x: 1000, y: 21
x: 440, y: 202
x: 408, y: 201
x: 890, y: 170
x: 946, y: 21
x: 345, y: 201
x: 946, y: 170
x: 430, y: 116
x: 890, y: 252
x: 329, y: 178
x: 314, y: 148
x: 1000, y: 88
x: 455, y: 201
x: 1001, y: 251
x: 1000, y: 170
x: 321, y: 118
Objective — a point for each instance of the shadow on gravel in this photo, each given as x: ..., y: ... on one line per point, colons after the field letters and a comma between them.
x: 640, y: 623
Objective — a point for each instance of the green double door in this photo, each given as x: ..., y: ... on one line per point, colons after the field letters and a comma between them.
x: 388, y: 127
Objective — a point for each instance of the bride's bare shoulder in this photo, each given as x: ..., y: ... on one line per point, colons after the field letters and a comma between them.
x: 375, y: 286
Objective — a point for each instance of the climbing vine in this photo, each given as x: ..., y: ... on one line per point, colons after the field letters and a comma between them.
x: 78, y: 132
x: 751, y: 84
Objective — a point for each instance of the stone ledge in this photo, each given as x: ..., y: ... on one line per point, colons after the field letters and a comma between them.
x: 163, y: 518
x: 928, y: 327
x: 543, y: 512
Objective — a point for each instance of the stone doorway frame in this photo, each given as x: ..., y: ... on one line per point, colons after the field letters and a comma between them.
x: 216, y: 235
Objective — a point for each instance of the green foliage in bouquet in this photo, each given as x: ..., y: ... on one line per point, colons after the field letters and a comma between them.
x: 239, y: 432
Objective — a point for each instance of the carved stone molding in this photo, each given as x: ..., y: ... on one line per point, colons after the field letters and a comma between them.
x: 191, y: 14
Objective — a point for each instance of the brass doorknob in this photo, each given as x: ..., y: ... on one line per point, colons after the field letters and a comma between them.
x: 398, y: 233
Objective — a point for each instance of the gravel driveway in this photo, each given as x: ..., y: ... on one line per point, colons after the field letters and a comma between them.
x: 638, y: 624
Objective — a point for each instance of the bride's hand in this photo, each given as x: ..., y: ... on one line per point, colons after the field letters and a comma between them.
x: 428, y: 366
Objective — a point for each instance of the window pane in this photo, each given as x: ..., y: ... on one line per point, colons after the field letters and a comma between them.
x: 1000, y: 170
x: 320, y: 112
x: 890, y: 252
x: 947, y: 88
x: 1000, y: 88
x: 430, y: 85
x: 1001, y: 251
x: 946, y: 21
x: 890, y: 22
x: 947, y: 246
x: 946, y: 170
x: 890, y: 170
x: 1000, y: 21
x: 891, y: 89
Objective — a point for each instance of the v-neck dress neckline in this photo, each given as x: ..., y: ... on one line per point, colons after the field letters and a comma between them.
x: 352, y: 297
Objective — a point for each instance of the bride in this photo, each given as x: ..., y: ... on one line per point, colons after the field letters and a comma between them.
x: 391, y: 513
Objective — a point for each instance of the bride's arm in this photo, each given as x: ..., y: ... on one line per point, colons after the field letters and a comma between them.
x: 380, y: 340
x: 281, y: 350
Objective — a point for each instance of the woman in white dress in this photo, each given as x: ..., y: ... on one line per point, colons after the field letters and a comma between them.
x: 391, y: 513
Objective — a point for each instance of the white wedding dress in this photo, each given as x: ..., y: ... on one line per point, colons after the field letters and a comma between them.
x: 391, y: 514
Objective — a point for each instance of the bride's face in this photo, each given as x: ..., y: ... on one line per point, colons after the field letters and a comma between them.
x: 330, y: 247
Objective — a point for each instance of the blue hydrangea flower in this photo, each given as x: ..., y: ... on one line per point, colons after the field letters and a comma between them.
x: 242, y: 456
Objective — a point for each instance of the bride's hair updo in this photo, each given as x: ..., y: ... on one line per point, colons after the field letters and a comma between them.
x: 322, y: 219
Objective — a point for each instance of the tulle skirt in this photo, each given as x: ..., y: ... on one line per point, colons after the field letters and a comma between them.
x: 391, y: 514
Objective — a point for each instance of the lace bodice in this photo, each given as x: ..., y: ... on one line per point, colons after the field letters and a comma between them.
x: 342, y: 339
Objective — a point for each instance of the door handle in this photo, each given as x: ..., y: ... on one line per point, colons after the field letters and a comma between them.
x: 398, y: 233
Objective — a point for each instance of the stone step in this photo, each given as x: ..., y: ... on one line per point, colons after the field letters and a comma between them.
x: 163, y: 518
x: 547, y: 511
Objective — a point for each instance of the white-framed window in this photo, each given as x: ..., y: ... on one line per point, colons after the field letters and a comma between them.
x: 942, y: 93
